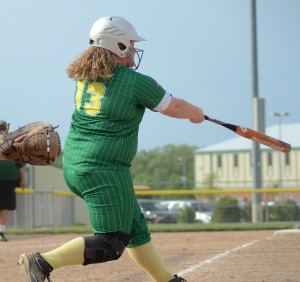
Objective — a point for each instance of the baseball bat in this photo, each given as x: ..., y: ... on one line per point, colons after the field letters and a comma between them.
x: 254, y: 135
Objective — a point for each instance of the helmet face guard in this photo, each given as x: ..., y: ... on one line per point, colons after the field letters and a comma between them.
x: 139, y: 53
x: 111, y: 32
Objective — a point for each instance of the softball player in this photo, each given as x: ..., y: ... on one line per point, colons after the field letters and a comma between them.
x: 110, y: 101
x: 12, y: 175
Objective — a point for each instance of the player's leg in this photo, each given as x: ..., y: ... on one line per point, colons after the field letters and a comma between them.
x: 3, y: 223
x: 7, y: 203
x: 106, y: 204
x: 110, y: 212
x: 79, y: 251
x: 142, y: 251
x: 121, y: 211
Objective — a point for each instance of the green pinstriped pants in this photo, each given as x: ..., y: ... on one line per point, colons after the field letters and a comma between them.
x: 111, y: 202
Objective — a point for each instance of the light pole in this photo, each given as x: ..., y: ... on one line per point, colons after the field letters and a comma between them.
x: 258, y: 117
x: 280, y: 116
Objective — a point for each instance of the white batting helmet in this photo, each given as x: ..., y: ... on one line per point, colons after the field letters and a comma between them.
x: 107, y: 32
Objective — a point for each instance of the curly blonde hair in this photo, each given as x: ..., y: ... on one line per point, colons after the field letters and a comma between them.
x: 92, y: 64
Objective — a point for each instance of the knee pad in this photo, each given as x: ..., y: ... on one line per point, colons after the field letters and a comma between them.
x: 104, y: 247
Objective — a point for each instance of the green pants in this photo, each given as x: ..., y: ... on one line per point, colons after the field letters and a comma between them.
x: 111, y: 202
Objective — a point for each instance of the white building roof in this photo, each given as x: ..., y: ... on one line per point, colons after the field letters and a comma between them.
x: 290, y: 134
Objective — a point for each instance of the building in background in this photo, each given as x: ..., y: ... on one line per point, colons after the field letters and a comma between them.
x: 228, y: 163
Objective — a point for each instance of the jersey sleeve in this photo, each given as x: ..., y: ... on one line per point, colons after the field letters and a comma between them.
x: 20, y: 165
x: 164, y: 103
x: 150, y: 93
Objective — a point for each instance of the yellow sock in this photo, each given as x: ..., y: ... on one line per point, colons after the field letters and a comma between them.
x: 148, y: 258
x: 70, y: 253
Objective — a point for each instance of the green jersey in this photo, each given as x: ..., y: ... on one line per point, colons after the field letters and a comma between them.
x: 105, y: 122
x: 9, y: 170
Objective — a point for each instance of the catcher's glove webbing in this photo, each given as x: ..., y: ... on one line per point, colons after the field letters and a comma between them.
x: 36, y: 143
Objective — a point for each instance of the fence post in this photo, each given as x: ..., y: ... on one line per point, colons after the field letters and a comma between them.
x: 267, y: 207
x: 30, y: 215
x: 50, y: 206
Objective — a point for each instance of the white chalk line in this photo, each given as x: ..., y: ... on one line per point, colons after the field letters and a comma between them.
x: 221, y: 255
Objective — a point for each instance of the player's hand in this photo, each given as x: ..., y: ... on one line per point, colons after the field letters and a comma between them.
x: 21, y: 138
x: 199, y: 116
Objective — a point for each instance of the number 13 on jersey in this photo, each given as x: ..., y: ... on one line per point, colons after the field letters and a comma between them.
x: 88, y: 97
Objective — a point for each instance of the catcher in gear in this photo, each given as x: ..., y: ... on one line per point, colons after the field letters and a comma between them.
x: 110, y: 102
x: 36, y: 143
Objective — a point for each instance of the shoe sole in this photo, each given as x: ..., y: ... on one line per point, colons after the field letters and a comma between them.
x: 24, y: 263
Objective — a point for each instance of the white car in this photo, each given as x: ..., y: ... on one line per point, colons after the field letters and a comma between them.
x: 155, y: 212
x: 203, y: 210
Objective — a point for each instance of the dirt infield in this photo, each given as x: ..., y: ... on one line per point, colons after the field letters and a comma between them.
x: 198, y: 256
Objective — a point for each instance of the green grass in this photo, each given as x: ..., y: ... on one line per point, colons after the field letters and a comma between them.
x: 185, y: 227
x: 221, y: 227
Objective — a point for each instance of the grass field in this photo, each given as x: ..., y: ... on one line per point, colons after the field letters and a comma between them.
x: 188, y: 227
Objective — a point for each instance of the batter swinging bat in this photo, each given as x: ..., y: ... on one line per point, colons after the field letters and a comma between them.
x: 254, y: 136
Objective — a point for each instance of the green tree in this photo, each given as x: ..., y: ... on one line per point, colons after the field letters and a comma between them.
x: 209, y: 184
x: 226, y: 210
x: 163, y: 168
x: 286, y: 211
x: 186, y: 215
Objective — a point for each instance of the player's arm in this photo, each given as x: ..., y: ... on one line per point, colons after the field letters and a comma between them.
x: 167, y: 105
x: 179, y: 108
x: 2, y: 157
x: 22, y: 176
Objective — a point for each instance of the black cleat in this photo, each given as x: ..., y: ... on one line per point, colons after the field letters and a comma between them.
x: 177, y: 279
x: 2, y: 237
x: 36, y: 268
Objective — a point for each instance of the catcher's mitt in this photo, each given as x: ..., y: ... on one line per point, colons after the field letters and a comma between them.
x: 36, y: 143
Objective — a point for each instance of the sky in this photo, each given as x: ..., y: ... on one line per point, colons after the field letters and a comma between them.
x: 198, y: 50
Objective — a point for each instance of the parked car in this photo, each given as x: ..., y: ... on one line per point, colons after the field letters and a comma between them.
x: 203, y: 210
x: 155, y: 212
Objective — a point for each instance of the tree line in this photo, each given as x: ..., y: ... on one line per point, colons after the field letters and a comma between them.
x: 167, y: 167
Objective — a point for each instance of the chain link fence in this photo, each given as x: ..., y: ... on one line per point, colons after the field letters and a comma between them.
x: 38, y: 209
